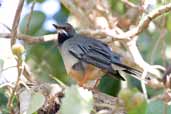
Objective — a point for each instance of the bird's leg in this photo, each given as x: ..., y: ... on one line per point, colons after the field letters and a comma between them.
x: 92, y: 73
x: 96, y: 83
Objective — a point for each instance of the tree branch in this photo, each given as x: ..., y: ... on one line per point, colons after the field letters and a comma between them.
x: 143, y: 24
x: 31, y: 39
x: 109, y: 32
x: 29, y: 17
x: 16, y: 22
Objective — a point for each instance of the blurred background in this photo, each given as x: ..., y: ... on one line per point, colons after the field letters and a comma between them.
x: 44, y: 59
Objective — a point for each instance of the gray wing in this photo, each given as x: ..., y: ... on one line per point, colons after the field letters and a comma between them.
x: 96, y: 54
x: 90, y: 55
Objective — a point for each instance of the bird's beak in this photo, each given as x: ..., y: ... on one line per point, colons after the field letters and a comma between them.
x: 58, y: 27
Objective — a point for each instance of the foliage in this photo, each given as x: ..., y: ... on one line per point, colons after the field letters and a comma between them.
x: 157, y: 107
x: 134, y: 101
x: 77, y: 100
x: 46, y: 63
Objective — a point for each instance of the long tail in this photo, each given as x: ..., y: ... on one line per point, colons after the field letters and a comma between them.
x: 117, y: 65
x: 116, y: 75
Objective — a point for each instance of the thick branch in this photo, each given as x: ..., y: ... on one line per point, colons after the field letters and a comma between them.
x: 16, y: 21
x: 32, y: 39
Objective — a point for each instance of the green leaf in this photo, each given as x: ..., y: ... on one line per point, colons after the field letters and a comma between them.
x: 109, y: 85
x: 40, y: 1
x: 139, y: 109
x: 37, y: 101
x: 36, y: 22
x: 77, y: 100
x: 47, y: 53
x: 3, y: 98
x: 112, y: 4
x: 139, y: 104
x: 157, y: 107
x: 134, y: 101
x: 62, y: 15
x: 168, y: 22
x: 117, y: 6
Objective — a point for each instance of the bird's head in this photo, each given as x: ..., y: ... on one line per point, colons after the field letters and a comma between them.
x: 64, y: 31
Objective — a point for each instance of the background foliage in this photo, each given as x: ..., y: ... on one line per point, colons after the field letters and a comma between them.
x: 45, y: 61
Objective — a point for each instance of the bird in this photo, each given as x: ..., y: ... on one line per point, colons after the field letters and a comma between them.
x: 87, y: 58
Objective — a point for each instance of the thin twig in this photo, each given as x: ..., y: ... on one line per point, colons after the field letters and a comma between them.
x: 164, y: 58
x: 20, y: 70
x: 103, y: 33
x: 7, y: 27
x: 132, y: 5
x: 158, y: 67
x: 6, y: 84
x: 143, y: 24
x: 16, y: 22
x: 29, y: 17
x: 157, y: 44
x: 8, y: 68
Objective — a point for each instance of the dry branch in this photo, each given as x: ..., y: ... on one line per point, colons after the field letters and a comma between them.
x: 31, y: 39
x: 110, y: 32
x: 16, y: 22
x: 143, y: 24
x: 29, y: 17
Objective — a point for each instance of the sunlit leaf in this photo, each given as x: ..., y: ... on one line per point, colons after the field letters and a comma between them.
x: 77, y: 100
x: 37, y: 100
x: 168, y: 22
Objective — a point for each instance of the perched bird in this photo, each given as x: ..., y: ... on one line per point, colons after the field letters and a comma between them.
x: 86, y: 58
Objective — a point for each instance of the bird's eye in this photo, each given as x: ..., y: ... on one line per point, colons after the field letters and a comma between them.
x: 67, y: 28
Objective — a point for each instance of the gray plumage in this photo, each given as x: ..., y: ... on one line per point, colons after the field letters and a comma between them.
x: 77, y: 51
